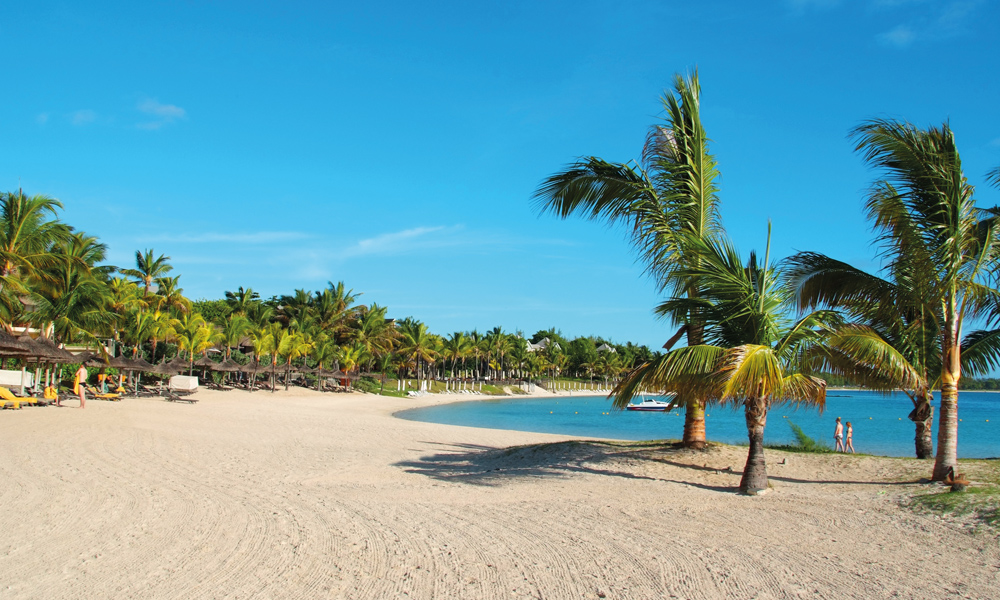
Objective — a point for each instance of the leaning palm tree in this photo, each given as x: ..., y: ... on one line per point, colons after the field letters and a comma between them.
x: 755, y: 357
x: 892, y: 341
x: 923, y: 209
x: 669, y: 198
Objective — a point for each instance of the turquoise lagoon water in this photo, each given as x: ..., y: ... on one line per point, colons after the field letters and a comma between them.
x: 880, y: 423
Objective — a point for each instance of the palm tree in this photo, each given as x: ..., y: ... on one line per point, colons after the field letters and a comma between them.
x: 893, y: 341
x: 170, y: 296
x: 928, y: 223
x: 292, y: 346
x: 29, y: 230
x: 148, y: 269
x: 242, y: 300
x: 417, y: 345
x: 755, y: 356
x: 671, y: 197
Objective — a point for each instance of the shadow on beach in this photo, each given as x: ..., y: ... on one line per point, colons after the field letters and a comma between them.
x: 486, y: 465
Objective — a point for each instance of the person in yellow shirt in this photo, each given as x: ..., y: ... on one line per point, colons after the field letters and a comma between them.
x: 51, y: 393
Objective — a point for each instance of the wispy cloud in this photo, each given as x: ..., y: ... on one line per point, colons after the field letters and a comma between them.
x: 82, y: 117
x: 403, y: 241
x: 249, y: 238
x: 995, y: 143
x: 42, y: 118
x: 163, y: 114
x: 938, y: 21
x: 899, y: 36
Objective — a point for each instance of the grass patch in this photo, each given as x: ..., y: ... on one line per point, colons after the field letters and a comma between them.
x: 978, y: 503
x: 803, y: 443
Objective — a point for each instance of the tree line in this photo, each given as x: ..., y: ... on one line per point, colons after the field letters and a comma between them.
x: 53, y: 279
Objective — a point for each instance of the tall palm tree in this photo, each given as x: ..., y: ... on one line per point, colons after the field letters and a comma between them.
x: 148, y: 269
x: 755, y: 356
x: 668, y: 198
x: 924, y: 211
x: 893, y: 341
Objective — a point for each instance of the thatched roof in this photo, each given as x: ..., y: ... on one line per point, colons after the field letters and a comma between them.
x: 205, y: 361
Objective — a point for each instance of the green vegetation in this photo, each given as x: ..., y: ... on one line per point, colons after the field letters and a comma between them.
x: 803, y: 443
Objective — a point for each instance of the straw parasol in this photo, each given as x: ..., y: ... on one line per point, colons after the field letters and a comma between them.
x: 139, y: 364
x: 166, y: 368
x: 119, y: 362
x: 229, y: 366
x: 206, y: 363
x: 10, y: 345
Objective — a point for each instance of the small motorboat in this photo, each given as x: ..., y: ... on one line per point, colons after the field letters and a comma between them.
x: 651, y: 405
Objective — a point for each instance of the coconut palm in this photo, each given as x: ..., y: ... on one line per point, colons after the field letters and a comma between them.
x: 372, y: 331
x: 417, y: 345
x: 148, y: 269
x: 29, y: 230
x: 292, y: 346
x: 233, y: 331
x: 893, y: 341
x: 924, y: 212
x: 242, y: 300
x: 170, y: 296
x: 755, y: 356
x: 194, y: 335
x: 668, y: 198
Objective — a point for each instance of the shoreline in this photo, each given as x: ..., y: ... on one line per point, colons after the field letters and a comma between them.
x: 303, y: 494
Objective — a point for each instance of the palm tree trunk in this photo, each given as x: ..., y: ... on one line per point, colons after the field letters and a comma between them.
x: 947, y: 451
x: 923, y: 418
x: 754, y: 479
x: 694, y: 408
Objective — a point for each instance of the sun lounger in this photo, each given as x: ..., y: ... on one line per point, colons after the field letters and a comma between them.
x: 113, y: 397
x: 9, y: 400
x: 173, y: 396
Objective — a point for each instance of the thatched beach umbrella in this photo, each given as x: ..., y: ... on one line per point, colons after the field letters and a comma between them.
x: 10, y: 345
x: 206, y: 363
x: 140, y: 364
x: 166, y: 368
x: 229, y: 366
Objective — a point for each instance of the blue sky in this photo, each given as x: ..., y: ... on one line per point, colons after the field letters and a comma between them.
x: 396, y: 146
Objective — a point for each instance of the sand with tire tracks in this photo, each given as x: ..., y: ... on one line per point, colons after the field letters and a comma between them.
x: 307, y: 495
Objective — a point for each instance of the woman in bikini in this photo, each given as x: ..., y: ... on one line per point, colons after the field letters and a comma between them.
x: 849, y: 445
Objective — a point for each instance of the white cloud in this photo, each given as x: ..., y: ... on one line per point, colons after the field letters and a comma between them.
x: 400, y: 241
x: 83, y: 117
x: 42, y: 118
x: 900, y: 36
x: 163, y: 113
x: 995, y: 143
x: 934, y: 22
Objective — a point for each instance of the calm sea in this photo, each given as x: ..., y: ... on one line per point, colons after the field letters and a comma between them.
x: 880, y: 423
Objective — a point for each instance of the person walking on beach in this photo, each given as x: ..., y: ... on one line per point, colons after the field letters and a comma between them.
x: 80, y: 383
x: 838, y: 436
x: 849, y: 445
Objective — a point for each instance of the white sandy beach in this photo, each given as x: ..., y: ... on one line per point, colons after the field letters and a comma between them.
x: 307, y: 495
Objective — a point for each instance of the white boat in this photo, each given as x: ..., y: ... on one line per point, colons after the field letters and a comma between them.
x: 649, y: 404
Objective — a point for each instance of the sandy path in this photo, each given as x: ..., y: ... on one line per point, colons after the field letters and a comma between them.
x: 328, y: 496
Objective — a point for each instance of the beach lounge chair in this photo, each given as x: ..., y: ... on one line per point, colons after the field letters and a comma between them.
x: 9, y: 400
x: 114, y: 397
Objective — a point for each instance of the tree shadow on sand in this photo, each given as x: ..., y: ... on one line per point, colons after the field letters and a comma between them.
x: 485, y: 465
